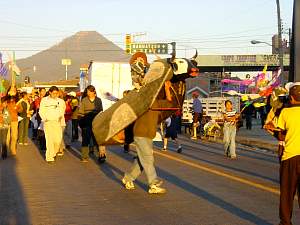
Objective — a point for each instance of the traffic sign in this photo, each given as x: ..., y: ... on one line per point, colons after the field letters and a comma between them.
x: 150, y: 48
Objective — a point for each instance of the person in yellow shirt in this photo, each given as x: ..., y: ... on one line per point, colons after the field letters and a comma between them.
x: 289, y: 124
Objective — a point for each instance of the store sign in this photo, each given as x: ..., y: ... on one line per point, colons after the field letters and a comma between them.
x: 241, y: 60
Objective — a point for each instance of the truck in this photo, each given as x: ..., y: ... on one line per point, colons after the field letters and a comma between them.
x: 109, y: 79
x: 212, y: 108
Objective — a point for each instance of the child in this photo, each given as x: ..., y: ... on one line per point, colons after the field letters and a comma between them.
x: 4, y: 125
x: 230, y: 119
x: 171, y: 132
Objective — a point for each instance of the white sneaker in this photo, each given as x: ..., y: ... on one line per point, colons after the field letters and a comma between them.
x: 128, y: 184
x: 156, y: 189
x: 60, y: 153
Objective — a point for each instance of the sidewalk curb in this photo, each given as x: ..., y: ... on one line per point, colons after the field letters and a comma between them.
x: 257, y: 143
x: 252, y: 142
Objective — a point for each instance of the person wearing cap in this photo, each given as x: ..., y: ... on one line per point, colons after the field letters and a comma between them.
x: 289, y: 125
x: 197, y: 108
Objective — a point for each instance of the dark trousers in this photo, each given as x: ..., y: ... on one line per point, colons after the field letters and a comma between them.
x: 198, y: 118
x: 248, y: 121
x: 178, y: 124
x: 74, y: 129
x: 41, y: 139
x: 23, y: 130
x: 34, y: 133
x: 289, y: 183
x: 3, y: 137
x: 128, y: 131
x: 262, y: 119
x: 87, y: 135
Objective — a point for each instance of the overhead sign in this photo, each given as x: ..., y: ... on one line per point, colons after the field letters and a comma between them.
x: 150, y: 48
x: 66, y: 62
x: 241, y: 60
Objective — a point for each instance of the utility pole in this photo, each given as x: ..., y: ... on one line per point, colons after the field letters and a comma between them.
x: 66, y: 72
x: 138, y: 35
x: 294, y: 75
x: 282, y: 80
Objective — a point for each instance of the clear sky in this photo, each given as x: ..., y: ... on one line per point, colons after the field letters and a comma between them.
x: 211, y: 26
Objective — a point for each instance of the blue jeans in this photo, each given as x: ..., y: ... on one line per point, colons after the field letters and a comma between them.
x: 145, y: 161
x: 229, y: 131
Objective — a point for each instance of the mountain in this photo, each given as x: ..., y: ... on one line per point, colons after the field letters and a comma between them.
x: 81, y: 48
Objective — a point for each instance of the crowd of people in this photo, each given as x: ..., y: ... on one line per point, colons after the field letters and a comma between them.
x: 44, y: 112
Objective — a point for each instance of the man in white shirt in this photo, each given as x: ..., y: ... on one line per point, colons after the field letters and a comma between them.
x: 52, y: 111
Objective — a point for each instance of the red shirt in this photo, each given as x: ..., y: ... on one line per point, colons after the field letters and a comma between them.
x: 68, y: 112
x: 36, y: 103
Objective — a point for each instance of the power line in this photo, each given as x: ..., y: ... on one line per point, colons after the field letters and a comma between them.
x: 33, y: 27
x: 117, y: 50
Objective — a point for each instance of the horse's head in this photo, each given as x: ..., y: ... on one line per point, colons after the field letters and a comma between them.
x: 183, y: 68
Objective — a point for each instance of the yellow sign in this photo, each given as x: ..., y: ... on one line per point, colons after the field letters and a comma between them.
x: 128, y: 43
x: 66, y: 62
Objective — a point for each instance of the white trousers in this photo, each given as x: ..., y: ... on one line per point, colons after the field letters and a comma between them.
x: 53, y: 135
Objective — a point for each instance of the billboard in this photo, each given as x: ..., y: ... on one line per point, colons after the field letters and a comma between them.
x: 241, y: 60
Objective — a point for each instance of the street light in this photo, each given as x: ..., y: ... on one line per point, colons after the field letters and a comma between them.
x: 254, y: 42
x: 280, y: 57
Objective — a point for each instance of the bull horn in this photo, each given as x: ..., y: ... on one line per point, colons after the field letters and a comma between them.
x: 195, y: 56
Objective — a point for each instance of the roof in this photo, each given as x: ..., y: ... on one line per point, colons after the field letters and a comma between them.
x: 59, y: 83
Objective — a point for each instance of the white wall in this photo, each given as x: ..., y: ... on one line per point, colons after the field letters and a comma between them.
x: 110, y: 77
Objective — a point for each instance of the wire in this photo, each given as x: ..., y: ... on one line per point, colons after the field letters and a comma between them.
x: 117, y: 50
x: 34, y: 27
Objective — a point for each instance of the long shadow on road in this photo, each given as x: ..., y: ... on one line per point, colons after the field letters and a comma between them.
x: 220, y: 148
x: 230, y: 167
x: 13, y: 208
x: 186, y: 186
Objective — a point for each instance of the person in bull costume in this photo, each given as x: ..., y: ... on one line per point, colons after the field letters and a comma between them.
x: 145, y: 126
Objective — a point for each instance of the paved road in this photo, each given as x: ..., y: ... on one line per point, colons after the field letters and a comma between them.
x: 203, y: 188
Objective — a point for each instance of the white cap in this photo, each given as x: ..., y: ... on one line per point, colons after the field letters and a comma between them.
x: 288, y: 85
x: 295, y: 84
x: 72, y: 93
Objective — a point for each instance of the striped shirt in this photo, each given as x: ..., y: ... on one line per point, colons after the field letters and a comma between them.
x: 230, y: 115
